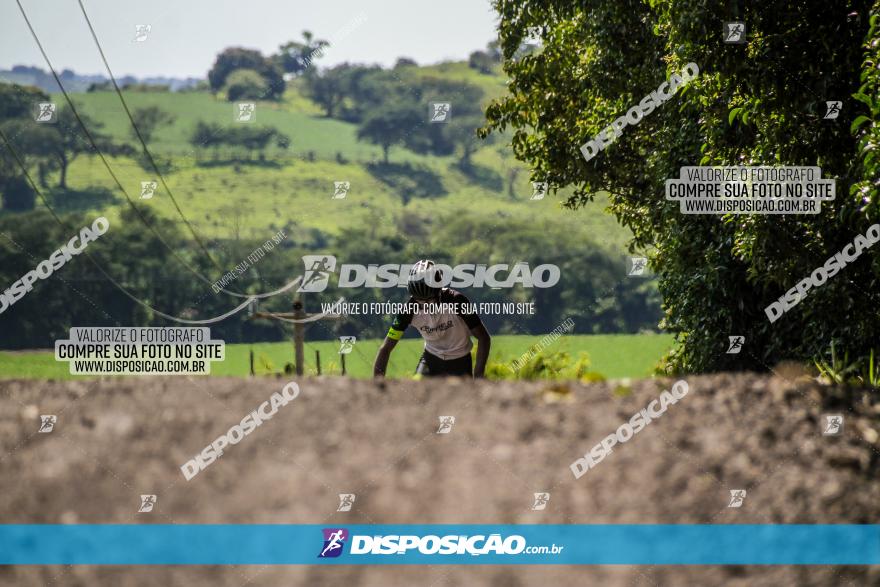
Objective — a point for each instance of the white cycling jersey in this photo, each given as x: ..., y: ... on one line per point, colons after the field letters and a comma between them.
x: 447, y: 334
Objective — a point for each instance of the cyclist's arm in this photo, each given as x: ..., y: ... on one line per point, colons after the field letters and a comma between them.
x: 464, y: 309
x: 381, y: 362
x: 395, y: 333
x: 484, y: 343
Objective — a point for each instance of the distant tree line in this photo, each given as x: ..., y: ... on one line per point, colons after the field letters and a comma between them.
x: 213, y: 136
x: 599, y: 300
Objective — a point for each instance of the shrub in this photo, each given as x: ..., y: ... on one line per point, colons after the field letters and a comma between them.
x: 245, y: 84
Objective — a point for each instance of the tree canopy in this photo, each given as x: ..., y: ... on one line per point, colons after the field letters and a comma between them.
x: 758, y: 103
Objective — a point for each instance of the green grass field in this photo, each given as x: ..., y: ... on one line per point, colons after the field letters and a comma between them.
x: 253, y: 200
x: 614, y: 356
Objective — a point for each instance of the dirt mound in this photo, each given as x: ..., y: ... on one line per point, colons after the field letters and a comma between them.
x: 117, y: 439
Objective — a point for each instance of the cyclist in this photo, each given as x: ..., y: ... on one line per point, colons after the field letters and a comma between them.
x: 446, y: 330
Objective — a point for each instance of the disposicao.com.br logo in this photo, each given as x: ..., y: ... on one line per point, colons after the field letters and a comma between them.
x: 334, y: 540
x: 319, y: 268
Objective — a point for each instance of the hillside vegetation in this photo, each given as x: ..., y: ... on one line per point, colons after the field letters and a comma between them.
x: 415, y: 190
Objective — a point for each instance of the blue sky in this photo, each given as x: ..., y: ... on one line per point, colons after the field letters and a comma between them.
x: 186, y: 35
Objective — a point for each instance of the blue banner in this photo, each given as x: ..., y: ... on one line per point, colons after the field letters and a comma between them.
x: 243, y: 544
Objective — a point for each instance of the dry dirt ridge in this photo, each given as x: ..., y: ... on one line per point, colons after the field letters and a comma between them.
x: 117, y: 439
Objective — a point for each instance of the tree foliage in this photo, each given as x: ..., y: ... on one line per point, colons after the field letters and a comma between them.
x: 235, y: 58
x: 297, y: 57
x: 148, y: 120
x: 761, y: 103
x: 211, y: 135
x: 245, y: 84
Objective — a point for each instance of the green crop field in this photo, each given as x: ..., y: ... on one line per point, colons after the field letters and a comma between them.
x: 614, y: 356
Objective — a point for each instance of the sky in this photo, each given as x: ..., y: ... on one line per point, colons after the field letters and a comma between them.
x: 186, y: 35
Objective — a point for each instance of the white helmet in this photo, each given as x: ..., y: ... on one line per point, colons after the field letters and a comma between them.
x: 424, y: 278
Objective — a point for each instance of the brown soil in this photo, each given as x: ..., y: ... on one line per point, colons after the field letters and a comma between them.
x: 117, y: 439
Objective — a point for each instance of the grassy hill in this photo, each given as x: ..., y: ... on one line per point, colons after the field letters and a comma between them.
x: 294, y: 187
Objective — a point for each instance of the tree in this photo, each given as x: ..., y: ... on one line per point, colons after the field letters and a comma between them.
x: 256, y: 138
x: 367, y: 87
x: 56, y: 146
x: 148, y: 120
x: 238, y: 58
x: 18, y: 101
x: 493, y: 49
x: 245, y: 84
x: 329, y: 88
x: 34, y: 144
x: 461, y: 130
x: 208, y: 135
x: 716, y: 274
x: 18, y: 196
x: 213, y: 135
x: 297, y: 58
x: 69, y: 141
x: 405, y: 62
x: 390, y: 125
x: 481, y: 61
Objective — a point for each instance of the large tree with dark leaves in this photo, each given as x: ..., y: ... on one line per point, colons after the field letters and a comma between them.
x: 758, y: 103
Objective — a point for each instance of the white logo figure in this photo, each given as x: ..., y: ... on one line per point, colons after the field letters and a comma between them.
x: 832, y: 109
x: 735, y: 344
x: 833, y: 424
x: 539, y: 190
x: 446, y: 424
x: 317, y: 275
x: 533, y: 35
x: 148, y: 188
x: 46, y: 112
x: 141, y: 31
x: 346, y: 500
x: 541, y: 500
x: 333, y: 543
x: 246, y: 112
x: 440, y: 111
x: 638, y: 265
x: 346, y: 344
x: 340, y: 189
x: 147, y: 503
x: 47, y: 423
x: 734, y: 32
x: 737, y: 496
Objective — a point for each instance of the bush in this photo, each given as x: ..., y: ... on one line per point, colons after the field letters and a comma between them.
x: 545, y: 365
x: 245, y: 84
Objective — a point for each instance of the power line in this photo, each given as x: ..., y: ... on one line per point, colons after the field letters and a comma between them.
x: 141, y: 138
x: 118, y: 286
x: 110, y: 169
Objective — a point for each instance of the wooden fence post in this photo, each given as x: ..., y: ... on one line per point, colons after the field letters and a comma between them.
x: 299, y: 336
